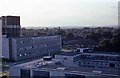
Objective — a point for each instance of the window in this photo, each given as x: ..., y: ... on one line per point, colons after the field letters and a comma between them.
x: 65, y: 58
x: 88, y: 63
x: 74, y: 76
x: 20, y: 54
x: 22, y: 42
x: 25, y: 73
x: 41, y: 74
x: 32, y: 46
x: 77, y: 58
x: 25, y: 54
x: 20, y: 48
x: 84, y: 62
x: 112, y: 65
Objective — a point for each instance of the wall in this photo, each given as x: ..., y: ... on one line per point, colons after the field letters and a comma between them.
x: 13, y: 49
x: 0, y: 38
x: 5, y: 47
x: 32, y: 47
x: 14, y: 71
x: 65, y: 60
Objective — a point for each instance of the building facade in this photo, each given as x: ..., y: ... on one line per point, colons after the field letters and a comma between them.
x: 29, y: 47
x: 5, y: 47
x: 98, y: 60
x: 11, y: 26
x: 92, y: 60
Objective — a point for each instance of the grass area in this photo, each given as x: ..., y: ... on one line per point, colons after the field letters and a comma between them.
x: 0, y: 73
x: 6, y: 73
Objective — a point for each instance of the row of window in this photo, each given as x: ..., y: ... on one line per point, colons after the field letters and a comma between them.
x: 98, y: 64
x: 39, y: 46
x: 109, y: 58
x: 94, y: 63
x: 40, y: 42
x: 36, y: 40
x: 37, y: 52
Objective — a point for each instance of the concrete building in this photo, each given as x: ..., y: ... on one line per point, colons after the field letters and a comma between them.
x: 90, y: 59
x: 21, y: 48
x: 11, y: 26
x: 15, y: 47
x: 5, y: 47
x: 69, y: 58
x: 0, y: 38
x: 52, y: 68
x: 100, y: 60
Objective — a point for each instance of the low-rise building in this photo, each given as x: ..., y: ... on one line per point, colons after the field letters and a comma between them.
x: 90, y: 59
x: 53, y: 68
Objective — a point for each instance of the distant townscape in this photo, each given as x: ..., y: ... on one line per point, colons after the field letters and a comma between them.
x: 86, y: 52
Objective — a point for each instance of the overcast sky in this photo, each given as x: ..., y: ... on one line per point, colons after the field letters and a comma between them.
x: 62, y: 12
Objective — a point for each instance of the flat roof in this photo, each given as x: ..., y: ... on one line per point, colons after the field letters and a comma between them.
x: 71, y: 53
x: 70, y: 69
x: 81, y: 70
x: 102, y: 53
x: 34, y: 36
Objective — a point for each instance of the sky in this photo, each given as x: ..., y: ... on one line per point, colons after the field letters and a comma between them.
x: 47, y: 13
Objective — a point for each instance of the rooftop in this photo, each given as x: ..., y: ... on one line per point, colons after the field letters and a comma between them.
x: 103, y: 53
x: 49, y: 66
x: 80, y: 70
x: 73, y: 53
x: 33, y: 36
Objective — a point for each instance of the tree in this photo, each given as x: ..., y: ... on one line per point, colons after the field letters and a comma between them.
x: 106, y: 34
x: 60, y: 32
x: 116, y: 35
x: 70, y: 35
x: 105, y: 43
x: 115, y: 44
x: 115, y: 41
x: 93, y: 35
x: 109, y: 45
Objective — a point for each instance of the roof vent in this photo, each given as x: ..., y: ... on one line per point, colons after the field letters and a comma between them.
x: 99, y: 72
x: 47, y: 58
x: 61, y: 68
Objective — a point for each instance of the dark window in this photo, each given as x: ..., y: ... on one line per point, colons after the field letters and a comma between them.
x: 65, y: 58
x: 77, y: 58
x: 74, y: 76
x: 41, y: 74
x: 32, y: 46
x: 111, y: 65
x: 24, y: 73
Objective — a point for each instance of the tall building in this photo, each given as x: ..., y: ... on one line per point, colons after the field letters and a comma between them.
x: 11, y: 26
x: 15, y: 47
